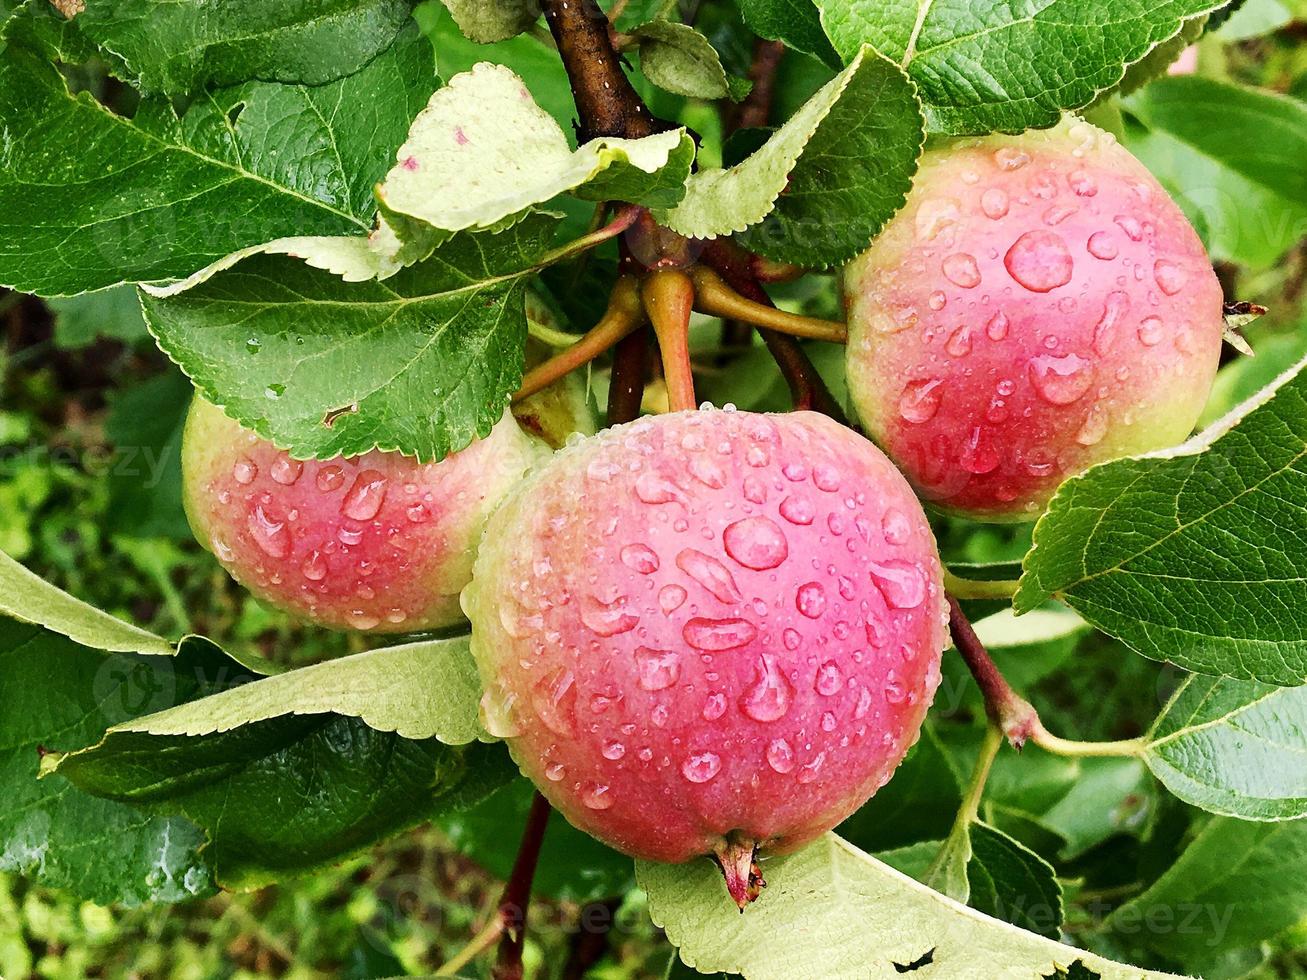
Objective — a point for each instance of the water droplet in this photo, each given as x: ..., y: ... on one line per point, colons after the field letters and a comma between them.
x: 828, y: 721
x: 1132, y: 228
x: 1060, y: 379
x: 269, y: 534
x: 640, y: 558
x: 607, y: 618
x: 756, y: 542
x: 959, y: 344
x: 286, y: 470
x: 996, y: 328
x: 901, y: 583
x: 1082, y: 183
x: 366, y: 496
x: 997, y: 411
x: 798, y: 509
x: 961, y: 270
x: 1039, y: 261
x: 1010, y: 158
x: 936, y: 301
x: 780, y: 756
x: 707, y: 472
x: 757, y: 456
x: 755, y: 491
x: 715, y: 706
x: 1115, y: 307
x: 417, y: 513
x: 362, y: 620
x: 710, y: 573
x: 1170, y: 277
x: 895, y: 526
x: 935, y: 216
x: 994, y: 202
x: 1102, y: 245
x: 651, y: 488
x: 810, y: 770
x: 826, y: 477
x: 1057, y: 213
x: 795, y: 472
x: 670, y: 598
x: 978, y: 455
x: 496, y: 713
x: 864, y: 703
x: 314, y: 567
x: 1040, y: 462
x: 1094, y: 428
x: 718, y: 634
x: 596, y: 796
x: 253, y: 345
x: 894, y: 692
x: 555, y: 772
x: 349, y: 535
x: 657, y: 670
x: 330, y: 478
x: 811, y: 600
x: 770, y: 697
x: 554, y: 700
x: 244, y: 471
x: 614, y: 751
x: 702, y: 767
x: 1151, y: 331
x: 920, y: 399
x: 829, y: 678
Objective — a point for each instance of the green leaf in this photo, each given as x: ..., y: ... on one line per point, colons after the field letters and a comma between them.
x: 1007, y: 67
x: 825, y: 181
x: 832, y: 911
x: 1231, y: 156
x: 421, y: 363
x: 486, y: 23
x: 483, y: 151
x: 290, y: 794
x: 1193, y: 554
x: 1237, y: 884
x: 679, y: 59
x: 171, y: 48
x: 1236, y: 748
x: 113, y: 314
x: 794, y: 22
x: 1109, y: 796
x: 145, y: 425
x: 89, y: 199
x: 1013, y: 883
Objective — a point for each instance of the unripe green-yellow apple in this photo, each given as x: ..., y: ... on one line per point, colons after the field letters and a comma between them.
x: 377, y: 542
x: 1038, y: 306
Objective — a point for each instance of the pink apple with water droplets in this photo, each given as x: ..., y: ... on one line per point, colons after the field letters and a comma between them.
x: 378, y: 542
x: 1039, y: 305
x: 709, y: 633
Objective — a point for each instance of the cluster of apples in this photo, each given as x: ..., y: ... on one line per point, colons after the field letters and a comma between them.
x: 718, y: 632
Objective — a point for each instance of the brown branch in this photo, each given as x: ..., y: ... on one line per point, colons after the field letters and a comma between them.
x: 517, y: 893
x: 607, y: 104
x: 755, y: 110
x: 714, y: 297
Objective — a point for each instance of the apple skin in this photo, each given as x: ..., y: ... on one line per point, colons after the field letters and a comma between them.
x: 709, y: 628
x: 1039, y: 305
x: 376, y: 543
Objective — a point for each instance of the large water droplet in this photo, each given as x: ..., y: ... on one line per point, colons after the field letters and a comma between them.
x: 718, y: 634
x: 1170, y: 277
x: 651, y: 488
x: 555, y: 772
x: 286, y: 470
x: 701, y: 767
x: 554, y: 700
x: 937, y: 301
x: 961, y: 270
x: 607, y: 618
x: 1039, y: 261
x: 894, y: 690
x: 996, y: 328
x: 314, y: 567
x: 270, y: 534
x: 1060, y: 379
x: 798, y: 509
x: 994, y: 202
x: 1094, y: 427
x: 1151, y: 331
x: 710, y: 573
x: 959, y: 344
x: 1115, y: 307
x: 902, y: 583
x: 756, y: 542
x: 1132, y: 228
x: 640, y: 558
x: 1082, y: 183
x: 330, y: 478
x: 496, y: 713
x: 826, y: 477
x: 920, y: 399
x: 670, y: 598
x: 895, y: 526
x: 657, y: 670
x: 780, y: 756
x: 772, y: 693
x: 978, y: 454
x: 614, y: 751
x: 1102, y: 245
x: 829, y: 678
x: 366, y: 496
x: 244, y: 471
x: 755, y: 491
x: 934, y: 216
x: 707, y: 472
x: 811, y: 600
x: 810, y: 770
x: 596, y: 796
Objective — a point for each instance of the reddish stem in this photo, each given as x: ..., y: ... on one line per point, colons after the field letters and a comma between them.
x: 1013, y: 714
x: 517, y: 893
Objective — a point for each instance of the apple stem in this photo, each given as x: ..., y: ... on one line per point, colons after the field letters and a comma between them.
x: 970, y: 588
x: 517, y: 893
x: 625, y: 217
x: 669, y: 301
x: 958, y: 843
x: 1016, y: 717
x: 624, y: 315
x: 738, y: 858
x: 716, y: 298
